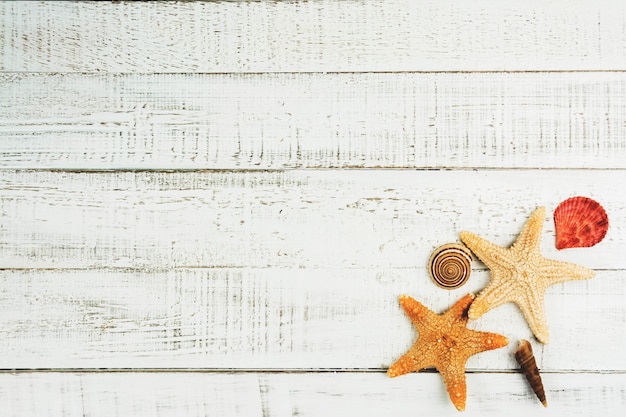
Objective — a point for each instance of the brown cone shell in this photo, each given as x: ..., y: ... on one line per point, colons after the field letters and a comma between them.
x: 524, y: 356
x: 450, y: 265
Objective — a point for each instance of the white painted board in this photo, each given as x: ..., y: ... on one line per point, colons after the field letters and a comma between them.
x: 280, y: 319
x: 311, y: 394
x: 283, y: 121
x: 286, y: 219
x: 314, y: 36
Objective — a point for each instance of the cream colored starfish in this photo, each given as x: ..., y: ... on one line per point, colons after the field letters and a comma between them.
x: 520, y: 274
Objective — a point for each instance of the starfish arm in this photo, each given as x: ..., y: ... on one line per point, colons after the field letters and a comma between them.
x: 555, y: 272
x: 492, y: 296
x: 532, y: 306
x: 489, y: 253
x: 458, y: 312
x: 409, y: 362
x: 476, y: 342
x: 454, y: 378
x: 419, y: 314
x: 529, y: 239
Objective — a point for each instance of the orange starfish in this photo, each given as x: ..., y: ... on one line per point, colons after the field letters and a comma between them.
x: 444, y: 342
x: 521, y: 274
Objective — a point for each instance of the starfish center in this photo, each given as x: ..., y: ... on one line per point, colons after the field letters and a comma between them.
x: 526, y: 270
x: 448, y: 341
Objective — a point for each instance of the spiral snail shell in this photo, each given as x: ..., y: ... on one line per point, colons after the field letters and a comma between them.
x: 450, y: 265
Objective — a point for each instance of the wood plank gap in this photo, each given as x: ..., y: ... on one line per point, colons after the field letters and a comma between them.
x: 261, y: 73
x: 298, y: 169
x: 180, y: 268
x: 277, y: 371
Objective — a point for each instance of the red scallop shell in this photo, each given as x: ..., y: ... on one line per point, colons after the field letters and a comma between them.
x: 580, y: 222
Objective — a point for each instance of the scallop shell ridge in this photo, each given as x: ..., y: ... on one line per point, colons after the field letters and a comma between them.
x: 450, y: 265
x: 579, y: 222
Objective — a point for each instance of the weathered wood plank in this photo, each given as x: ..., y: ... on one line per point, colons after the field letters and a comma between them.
x: 399, y: 35
x: 281, y: 395
x: 301, y: 319
x: 290, y: 219
x: 230, y: 121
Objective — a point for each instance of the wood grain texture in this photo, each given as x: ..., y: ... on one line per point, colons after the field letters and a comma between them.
x: 399, y: 35
x: 282, y: 395
x: 277, y: 319
x: 285, y: 219
x: 278, y: 121
x: 197, y: 194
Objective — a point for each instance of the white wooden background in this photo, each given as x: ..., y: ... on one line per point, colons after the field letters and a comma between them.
x: 210, y: 208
